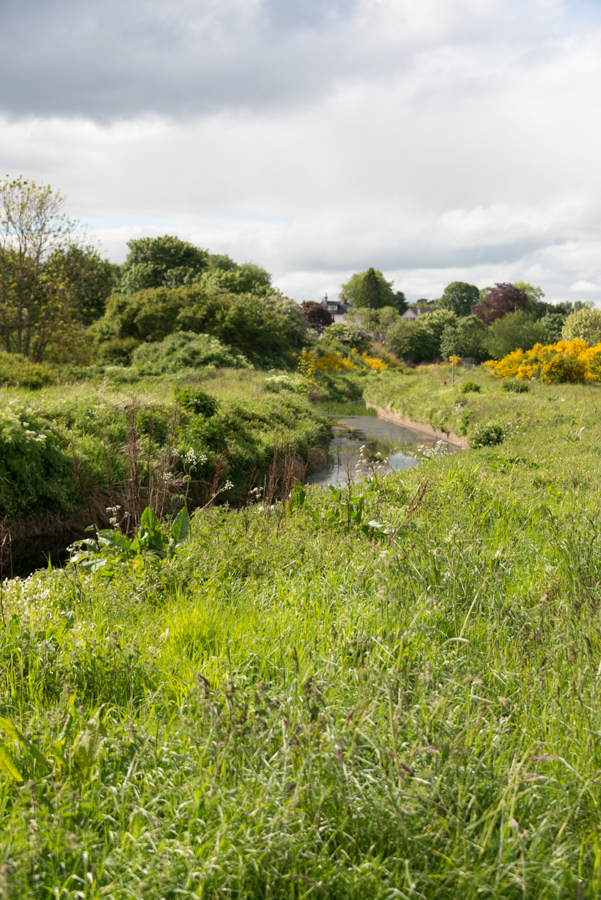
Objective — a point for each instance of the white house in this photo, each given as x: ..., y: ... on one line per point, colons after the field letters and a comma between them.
x: 336, y: 308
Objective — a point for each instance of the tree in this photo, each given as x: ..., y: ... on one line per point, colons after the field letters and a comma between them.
x: 554, y: 323
x: 584, y: 324
x: 419, y: 340
x: 89, y: 278
x: 535, y: 307
x: 369, y: 295
x: 465, y: 337
x: 459, y: 296
x: 514, y: 331
x: 499, y: 301
x: 353, y: 290
x: 317, y: 317
x: 37, y: 302
x: 247, y: 278
x: 161, y: 262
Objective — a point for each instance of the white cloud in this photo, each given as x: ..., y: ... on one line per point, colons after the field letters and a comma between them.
x: 579, y: 286
x: 451, y: 139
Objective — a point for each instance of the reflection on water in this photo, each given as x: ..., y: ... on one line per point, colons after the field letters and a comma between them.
x: 393, y: 442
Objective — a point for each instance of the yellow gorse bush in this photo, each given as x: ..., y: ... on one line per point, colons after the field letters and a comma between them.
x: 565, y: 361
x: 334, y: 361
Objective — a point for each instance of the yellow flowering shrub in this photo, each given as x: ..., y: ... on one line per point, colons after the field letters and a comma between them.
x: 372, y: 362
x: 333, y: 361
x: 565, y: 361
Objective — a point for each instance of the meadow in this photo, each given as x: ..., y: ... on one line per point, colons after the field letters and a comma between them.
x: 386, y: 691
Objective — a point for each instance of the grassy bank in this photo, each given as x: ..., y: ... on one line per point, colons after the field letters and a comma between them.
x: 388, y: 692
x: 68, y: 453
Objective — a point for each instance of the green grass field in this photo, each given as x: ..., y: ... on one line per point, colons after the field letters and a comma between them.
x: 388, y: 692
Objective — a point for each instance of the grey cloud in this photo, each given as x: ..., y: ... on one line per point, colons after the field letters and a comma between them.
x: 124, y: 59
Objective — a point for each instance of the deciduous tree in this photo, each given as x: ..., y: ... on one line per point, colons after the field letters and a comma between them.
x: 37, y: 302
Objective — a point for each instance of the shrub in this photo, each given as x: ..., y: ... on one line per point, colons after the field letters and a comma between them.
x: 118, y: 351
x: 515, y: 387
x: 36, y: 468
x: 471, y: 387
x: 349, y: 333
x: 18, y: 371
x: 277, y: 383
x: 487, y: 435
x: 197, y: 401
x: 186, y: 350
x: 584, y: 324
x: 565, y: 361
x: 250, y: 323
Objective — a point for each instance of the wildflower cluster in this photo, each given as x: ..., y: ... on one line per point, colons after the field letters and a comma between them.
x: 334, y: 361
x: 565, y: 361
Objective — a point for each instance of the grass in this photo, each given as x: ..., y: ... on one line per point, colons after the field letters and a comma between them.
x: 64, y: 450
x: 391, y: 691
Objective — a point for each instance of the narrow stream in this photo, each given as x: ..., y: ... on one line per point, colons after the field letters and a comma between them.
x: 395, y: 443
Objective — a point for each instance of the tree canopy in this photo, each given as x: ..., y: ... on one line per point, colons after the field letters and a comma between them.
x: 38, y: 303
x: 514, y: 331
x: 161, y: 262
x: 460, y: 297
x: 369, y: 289
x: 499, y: 301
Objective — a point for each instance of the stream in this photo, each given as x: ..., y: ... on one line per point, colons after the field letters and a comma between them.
x: 396, y: 445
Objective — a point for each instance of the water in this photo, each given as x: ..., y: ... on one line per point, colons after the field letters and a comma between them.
x: 394, y: 442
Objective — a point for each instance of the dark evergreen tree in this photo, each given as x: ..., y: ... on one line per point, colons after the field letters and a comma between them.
x: 370, y: 291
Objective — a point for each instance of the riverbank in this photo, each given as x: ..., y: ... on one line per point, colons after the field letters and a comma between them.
x: 72, y: 456
x: 387, y: 689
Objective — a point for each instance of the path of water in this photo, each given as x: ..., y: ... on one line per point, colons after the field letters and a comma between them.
x: 393, y: 442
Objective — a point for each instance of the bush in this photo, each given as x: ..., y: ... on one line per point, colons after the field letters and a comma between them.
x: 197, y: 401
x: 564, y: 362
x: 277, y: 383
x: 18, y: 371
x: 487, y: 435
x: 118, y: 352
x: 584, y: 324
x: 249, y: 323
x: 515, y: 387
x: 186, y: 350
x: 471, y: 387
x: 36, y: 468
x: 514, y: 331
x: 350, y: 334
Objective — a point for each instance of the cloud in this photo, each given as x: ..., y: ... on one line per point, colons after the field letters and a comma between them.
x: 451, y: 139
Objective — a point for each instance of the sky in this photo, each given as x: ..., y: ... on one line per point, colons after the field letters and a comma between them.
x: 436, y: 141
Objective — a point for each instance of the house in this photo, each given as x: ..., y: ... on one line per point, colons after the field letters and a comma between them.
x: 412, y: 313
x: 336, y: 308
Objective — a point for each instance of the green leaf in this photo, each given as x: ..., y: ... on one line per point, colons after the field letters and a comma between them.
x: 7, y: 766
x: 180, y: 529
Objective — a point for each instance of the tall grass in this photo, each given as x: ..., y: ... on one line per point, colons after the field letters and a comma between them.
x: 300, y: 704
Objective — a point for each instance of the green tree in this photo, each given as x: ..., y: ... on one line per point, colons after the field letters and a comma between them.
x: 354, y: 290
x: 161, y: 262
x: 419, y: 340
x: 247, y: 278
x: 37, y: 303
x: 252, y: 323
x: 585, y: 323
x: 514, y: 331
x: 535, y: 307
x: 90, y: 279
x: 459, y: 296
x: 465, y: 337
